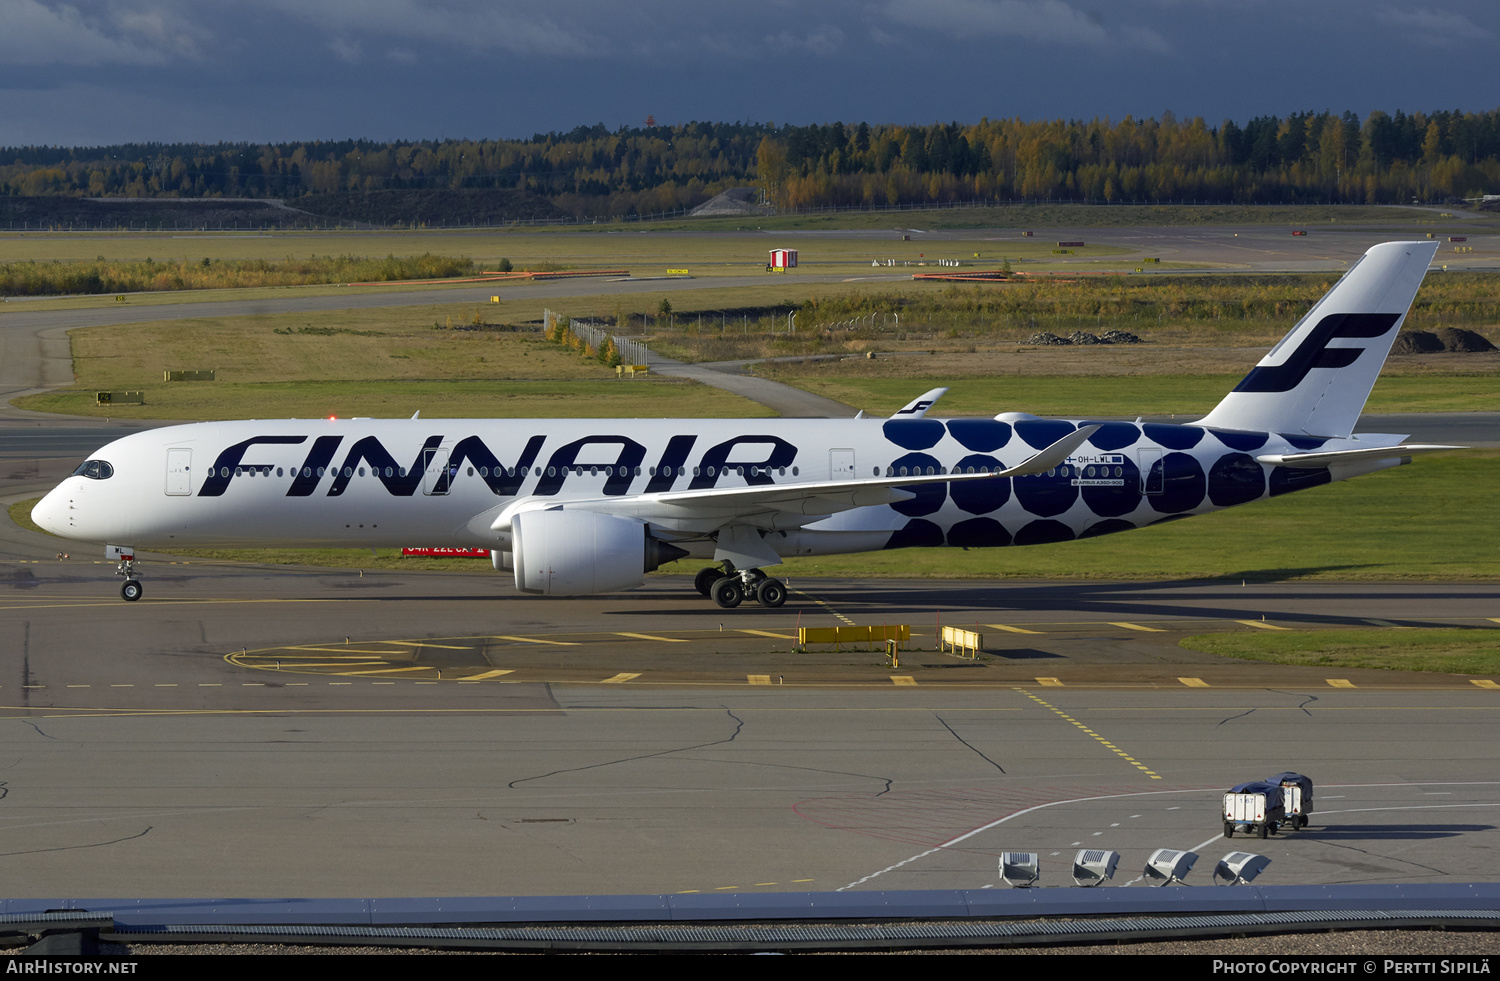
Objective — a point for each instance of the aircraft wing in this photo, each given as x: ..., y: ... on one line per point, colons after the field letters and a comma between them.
x: 811, y: 499
x: 1329, y: 458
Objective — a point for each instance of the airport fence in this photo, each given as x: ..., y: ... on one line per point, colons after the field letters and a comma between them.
x: 633, y: 352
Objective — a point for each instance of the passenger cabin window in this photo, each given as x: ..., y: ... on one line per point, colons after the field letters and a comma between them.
x: 94, y: 470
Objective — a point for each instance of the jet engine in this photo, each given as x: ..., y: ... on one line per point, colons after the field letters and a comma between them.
x: 574, y: 553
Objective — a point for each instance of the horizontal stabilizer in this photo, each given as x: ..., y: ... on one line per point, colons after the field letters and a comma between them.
x: 1329, y: 458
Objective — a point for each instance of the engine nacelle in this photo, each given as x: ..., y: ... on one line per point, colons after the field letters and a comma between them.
x: 575, y: 553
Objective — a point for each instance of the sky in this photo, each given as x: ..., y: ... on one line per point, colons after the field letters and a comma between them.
x: 98, y: 72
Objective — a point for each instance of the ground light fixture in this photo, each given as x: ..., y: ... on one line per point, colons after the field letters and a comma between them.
x: 1093, y: 866
x: 1238, y: 868
x: 1020, y: 869
x: 1169, y: 865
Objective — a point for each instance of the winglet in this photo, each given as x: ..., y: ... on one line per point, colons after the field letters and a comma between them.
x: 917, y: 407
x: 1053, y: 456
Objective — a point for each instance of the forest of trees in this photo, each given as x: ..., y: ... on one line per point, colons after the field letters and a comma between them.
x: 594, y: 172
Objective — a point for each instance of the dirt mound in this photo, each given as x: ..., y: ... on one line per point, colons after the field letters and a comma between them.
x: 735, y: 201
x: 1463, y: 341
x: 1450, y: 339
x: 1046, y: 337
x: 1416, y: 342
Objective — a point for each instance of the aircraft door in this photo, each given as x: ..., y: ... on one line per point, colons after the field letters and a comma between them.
x: 437, y: 472
x: 179, y: 467
x: 841, y: 464
x: 1153, y: 472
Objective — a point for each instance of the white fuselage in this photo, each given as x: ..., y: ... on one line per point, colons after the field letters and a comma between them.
x: 370, y: 483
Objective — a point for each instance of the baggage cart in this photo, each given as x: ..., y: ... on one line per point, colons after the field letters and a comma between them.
x: 1297, y: 796
x: 1256, y: 807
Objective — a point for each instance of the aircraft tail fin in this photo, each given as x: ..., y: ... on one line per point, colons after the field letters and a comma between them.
x: 1316, y: 380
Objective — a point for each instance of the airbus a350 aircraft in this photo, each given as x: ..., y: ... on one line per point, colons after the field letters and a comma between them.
x: 574, y: 507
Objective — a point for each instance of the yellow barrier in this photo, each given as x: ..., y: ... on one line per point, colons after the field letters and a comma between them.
x: 621, y: 370
x: 188, y: 376
x: 898, y: 633
x: 121, y: 398
x: 965, y: 643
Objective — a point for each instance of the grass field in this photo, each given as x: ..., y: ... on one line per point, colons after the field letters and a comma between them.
x: 654, y: 398
x: 303, y: 364
x: 1125, y: 395
x: 1455, y: 651
x: 1039, y: 216
x: 1427, y: 521
x: 642, y: 249
x: 383, y: 363
x: 733, y: 245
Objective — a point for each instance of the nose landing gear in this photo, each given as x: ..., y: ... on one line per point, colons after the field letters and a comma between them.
x: 131, y: 589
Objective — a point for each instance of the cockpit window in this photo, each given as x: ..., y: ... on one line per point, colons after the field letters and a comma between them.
x: 95, y: 469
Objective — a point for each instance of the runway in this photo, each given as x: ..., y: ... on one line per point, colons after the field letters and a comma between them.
x: 259, y: 731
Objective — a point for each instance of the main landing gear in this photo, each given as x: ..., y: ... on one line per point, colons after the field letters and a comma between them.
x: 729, y: 587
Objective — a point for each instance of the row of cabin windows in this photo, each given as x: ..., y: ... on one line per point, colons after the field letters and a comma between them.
x: 1054, y: 472
x: 608, y: 471
x: 100, y: 470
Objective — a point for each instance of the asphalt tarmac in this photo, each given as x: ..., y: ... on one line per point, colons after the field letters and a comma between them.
x: 261, y: 732
x: 270, y: 732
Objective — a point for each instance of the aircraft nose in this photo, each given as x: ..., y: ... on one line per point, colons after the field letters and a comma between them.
x: 51, y: 512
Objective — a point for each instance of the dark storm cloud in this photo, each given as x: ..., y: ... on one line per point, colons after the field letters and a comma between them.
x: 98, y: 71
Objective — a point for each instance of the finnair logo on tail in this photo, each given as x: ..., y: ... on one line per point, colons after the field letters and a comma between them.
x: 1314, y: 351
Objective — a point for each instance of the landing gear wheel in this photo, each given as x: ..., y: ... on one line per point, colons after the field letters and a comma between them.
x: 1275, y: 828
x: 728, y: 592
x: 770, y: 593
x: 704, y: 581
x: 1228, y: 830
x: 131, y: 590
x: 1261, y: 830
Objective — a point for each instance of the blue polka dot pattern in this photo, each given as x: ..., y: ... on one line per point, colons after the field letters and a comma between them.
x: 1304, y: 442
x: 1114, y: 435
x: 1173, y: 437
x: 918, y: 533
x: 913, y: 434
x: 1041, y: 433
x: 930, y: 497
x: 1110, y: 502
x: 1045, y: 495
x: 1240, y: 441
x: 980, y: 435
x: 1182, y: 486
x: 1043, y: 532
x: 1235, y: 478
x: 978, y: 533
x: 980, y: 496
